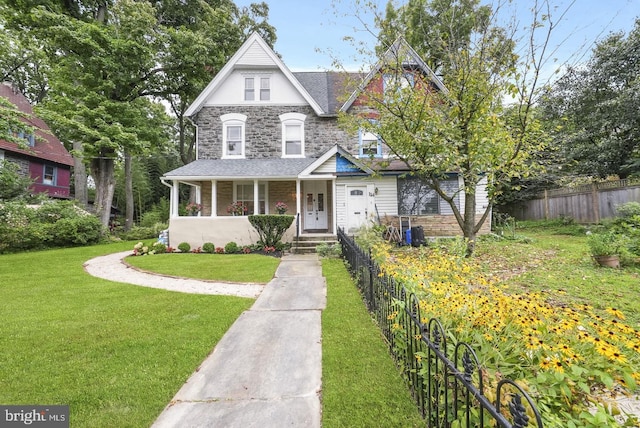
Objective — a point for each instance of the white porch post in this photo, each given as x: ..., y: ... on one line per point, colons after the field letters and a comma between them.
x: 334, y: 208
x: 214, y: 198
x: 298, y: 205
x: 199, y: 198
x: 256, y: 197
x: 175, y: 198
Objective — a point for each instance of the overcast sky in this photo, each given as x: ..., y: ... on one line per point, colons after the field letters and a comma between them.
x: 310, y: 32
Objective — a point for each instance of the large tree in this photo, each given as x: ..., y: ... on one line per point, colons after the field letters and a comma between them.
x: 464, y: 129
x: 596, y: 108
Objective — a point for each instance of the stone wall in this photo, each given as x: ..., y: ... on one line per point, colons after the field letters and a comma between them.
x: 263, y: 131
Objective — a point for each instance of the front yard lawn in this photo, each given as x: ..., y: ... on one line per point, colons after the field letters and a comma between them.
x: 116, y: 353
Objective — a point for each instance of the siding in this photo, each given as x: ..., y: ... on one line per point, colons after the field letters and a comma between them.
x: 255, y: 55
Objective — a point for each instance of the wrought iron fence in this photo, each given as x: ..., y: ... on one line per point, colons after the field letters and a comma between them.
x: 447, y: 383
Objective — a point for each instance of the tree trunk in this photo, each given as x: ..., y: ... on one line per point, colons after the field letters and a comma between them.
x: 128, y: 191
x: 469, y: 225
x: 80, y: 175
x: 103, y: 173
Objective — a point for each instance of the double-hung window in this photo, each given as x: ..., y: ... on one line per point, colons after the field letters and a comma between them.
x: 265, y: 89
x: 292, y: 134
x: 233, y: 141
x: 49, y: 175
x: 249, y: 89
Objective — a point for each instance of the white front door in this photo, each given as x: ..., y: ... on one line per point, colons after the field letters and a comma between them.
x: 315, y: 205
x: 357, y: 207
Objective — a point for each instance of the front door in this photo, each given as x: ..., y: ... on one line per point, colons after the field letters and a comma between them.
x: 315, y: 205
x: 357, y: 207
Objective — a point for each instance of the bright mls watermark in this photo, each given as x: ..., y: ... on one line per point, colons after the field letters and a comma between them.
x: 34, y: 416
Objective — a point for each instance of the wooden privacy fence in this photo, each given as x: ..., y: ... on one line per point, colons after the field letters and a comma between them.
x: 588, y: 203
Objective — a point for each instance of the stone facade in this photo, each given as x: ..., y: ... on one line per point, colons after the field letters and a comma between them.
x: 263, y: 131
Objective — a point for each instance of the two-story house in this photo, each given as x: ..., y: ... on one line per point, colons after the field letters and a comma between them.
x: 43, y: 157
x: 267, y: 135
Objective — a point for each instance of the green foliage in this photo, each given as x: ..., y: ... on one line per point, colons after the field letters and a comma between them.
x: 53, y: 224
x: 208, y: 247
x: 331, y: 251
x: 271, y: 228
x: 231, y: 248
x: 13, y: 185
x: 605, y: 244
x: 595, y: 108
x: 628, y: 210
x: 140, y: 232
x: 184, y: 247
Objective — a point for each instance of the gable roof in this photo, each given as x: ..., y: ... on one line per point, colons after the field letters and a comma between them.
x: 47, y: 146
x: 253, y: 50
x: 400, y: 52
x: 329, y: 87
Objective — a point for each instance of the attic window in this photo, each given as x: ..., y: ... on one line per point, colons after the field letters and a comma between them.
x: 265, y: 89
x: 249, y: 90
x: 370, y: 145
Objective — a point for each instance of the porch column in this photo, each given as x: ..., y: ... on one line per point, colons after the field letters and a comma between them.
x: 298, y: 205
x: 256, y: 197
x: 175, y: 198
x: 214, y: 198
x: 199, y: 198
x: 334, y: 207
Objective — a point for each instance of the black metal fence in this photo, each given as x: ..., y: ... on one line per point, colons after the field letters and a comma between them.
x: 447, y: 384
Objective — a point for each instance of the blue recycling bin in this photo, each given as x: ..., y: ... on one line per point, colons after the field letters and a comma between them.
x: 407, y: 236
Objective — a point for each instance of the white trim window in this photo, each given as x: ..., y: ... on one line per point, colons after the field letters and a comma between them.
x: 292, y: 135
x: 243, y: 192
x: 369, y: 145
x: 233, y: 143
x: 49, y: 175
x: 265, y: 89
x: 249, y: 89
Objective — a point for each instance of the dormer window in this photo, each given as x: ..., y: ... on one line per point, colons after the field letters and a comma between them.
x: 292, y: 135
x: 233, y: 144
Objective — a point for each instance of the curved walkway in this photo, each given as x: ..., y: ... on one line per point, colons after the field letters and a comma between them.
x: 266, y: 371
x: 113, y: 268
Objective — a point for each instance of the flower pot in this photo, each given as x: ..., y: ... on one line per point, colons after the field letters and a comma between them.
x: 608, y: 261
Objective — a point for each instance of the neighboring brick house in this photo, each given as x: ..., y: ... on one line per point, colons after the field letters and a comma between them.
x: 43, y: 158
x: 267, y: 135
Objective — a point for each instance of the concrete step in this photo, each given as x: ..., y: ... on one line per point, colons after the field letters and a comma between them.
x: 307, y: 244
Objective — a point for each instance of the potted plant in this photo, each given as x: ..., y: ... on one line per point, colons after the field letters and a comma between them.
x: 193, y: 208
x: 605, y: 248
x: 237, y: 208
x: 281, y: 208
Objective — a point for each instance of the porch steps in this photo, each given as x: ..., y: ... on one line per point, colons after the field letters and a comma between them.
x: 306, y: 244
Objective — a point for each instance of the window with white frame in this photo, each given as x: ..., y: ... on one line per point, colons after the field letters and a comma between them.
x: 249, y: 89
x: 233, y: 144
x: 265, y: 89
x: 1, y: 155
x: 243, y: 192
x: 292, y: 134
x: 49, y: 175
x: 370, y: 145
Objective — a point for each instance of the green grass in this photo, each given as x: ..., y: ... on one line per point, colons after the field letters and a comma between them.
x: 560, y: 266
x: 222, y: 267
x: 115, y: 353
x: 361, y: 387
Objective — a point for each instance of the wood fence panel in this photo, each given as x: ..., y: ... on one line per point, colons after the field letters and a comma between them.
x: 586, y: 204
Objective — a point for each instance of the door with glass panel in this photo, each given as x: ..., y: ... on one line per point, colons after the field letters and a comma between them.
x: 315, y: 205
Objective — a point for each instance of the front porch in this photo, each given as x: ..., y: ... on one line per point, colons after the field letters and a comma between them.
x: 310, y: 200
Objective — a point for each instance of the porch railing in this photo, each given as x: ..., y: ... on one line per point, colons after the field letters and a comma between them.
x: 447, y: 383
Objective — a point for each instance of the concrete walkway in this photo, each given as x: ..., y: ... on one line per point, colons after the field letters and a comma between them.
x: 266, y: 370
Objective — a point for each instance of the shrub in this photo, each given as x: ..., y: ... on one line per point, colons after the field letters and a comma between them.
x: 271, y: 228
x: 329, y: 250
x: 628, y: 210
x: 231, y: 248
x: 184, y: 247
x: 208, y: 247
x: 159, y: 248
x: 138, y: 232
x: 219, y: 250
